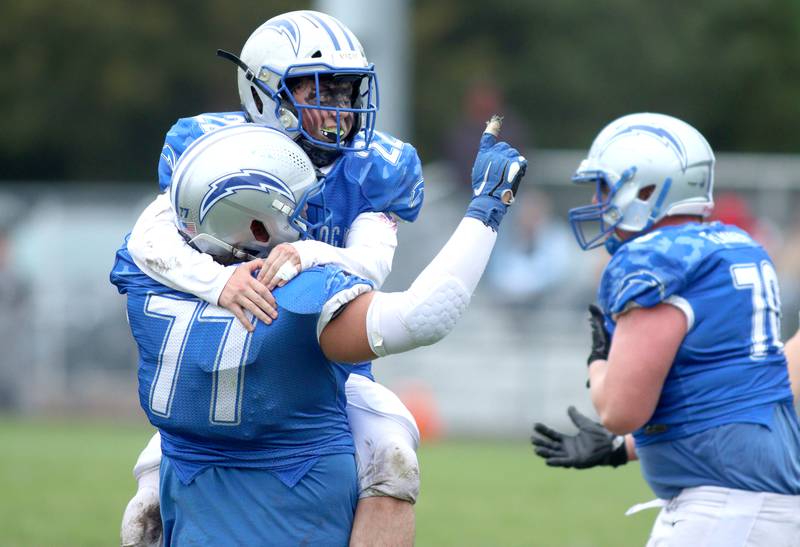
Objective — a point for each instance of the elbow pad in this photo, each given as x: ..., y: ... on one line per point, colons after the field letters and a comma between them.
x: 421, y: 316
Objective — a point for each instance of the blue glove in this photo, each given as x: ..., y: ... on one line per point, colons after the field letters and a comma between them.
x: 496, y: 175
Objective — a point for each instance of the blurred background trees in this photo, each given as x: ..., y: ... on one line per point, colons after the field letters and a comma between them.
x: 88, y: 89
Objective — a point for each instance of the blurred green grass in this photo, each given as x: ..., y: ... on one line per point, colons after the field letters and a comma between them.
x: 499, y: 494
x: 66, y: 483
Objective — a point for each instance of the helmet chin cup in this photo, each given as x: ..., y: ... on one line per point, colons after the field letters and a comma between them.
x: 208, y: 244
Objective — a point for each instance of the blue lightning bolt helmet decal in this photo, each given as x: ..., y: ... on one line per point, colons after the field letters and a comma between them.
x: 288, y: 28
x: 662, y: 134
x: 246, y: 179
x: 313, y: 45
x: 644, y: 166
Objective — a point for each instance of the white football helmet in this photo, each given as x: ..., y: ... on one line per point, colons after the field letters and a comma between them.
x: 240, y: 190
x: 645, y: 167
x: 306, y: 44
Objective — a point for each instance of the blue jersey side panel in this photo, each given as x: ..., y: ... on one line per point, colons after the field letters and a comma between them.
x: 745, y: 456
x: 222, y: 396
x: 730, y: 367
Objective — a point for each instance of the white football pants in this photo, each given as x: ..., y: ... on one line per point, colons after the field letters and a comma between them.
x: 712, y: 516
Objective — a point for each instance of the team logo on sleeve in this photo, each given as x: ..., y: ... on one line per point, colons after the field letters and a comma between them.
x: 168, y: 155
x: 246, y: 179
x: 417, y: 192
x: 635, y: 285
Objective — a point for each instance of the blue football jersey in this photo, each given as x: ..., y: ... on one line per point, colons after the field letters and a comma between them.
x: 730, y: 367
x: 185, y: 132
x: 386, y: 177
x: 222, y: 396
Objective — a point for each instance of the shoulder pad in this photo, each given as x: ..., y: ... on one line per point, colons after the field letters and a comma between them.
x: 389, y: 173
x: 183, y: 133
x: 650, y: 268
x: 311, y: 289
x: 647, y: 270
x: 718, y: 235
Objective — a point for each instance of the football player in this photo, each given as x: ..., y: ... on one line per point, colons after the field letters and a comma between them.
x: 686, y: 358
x: 305, y: 74
x: 254, y: 433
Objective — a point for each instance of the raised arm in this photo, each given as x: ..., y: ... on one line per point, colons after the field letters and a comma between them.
x: 379, y: 324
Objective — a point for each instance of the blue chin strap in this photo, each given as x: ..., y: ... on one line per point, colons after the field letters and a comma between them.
x: 297, y: 219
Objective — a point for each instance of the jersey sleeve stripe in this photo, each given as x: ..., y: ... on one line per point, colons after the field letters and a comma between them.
x: 683, y: 305
x: 337, y: 302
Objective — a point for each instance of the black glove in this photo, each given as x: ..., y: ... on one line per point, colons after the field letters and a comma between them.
x: 593, y: 445
x: 600, y: 337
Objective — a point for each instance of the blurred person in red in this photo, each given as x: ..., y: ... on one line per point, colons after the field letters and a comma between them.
x: 733, y: 208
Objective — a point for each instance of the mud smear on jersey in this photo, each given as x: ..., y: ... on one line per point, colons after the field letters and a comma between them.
x: 161, y: 266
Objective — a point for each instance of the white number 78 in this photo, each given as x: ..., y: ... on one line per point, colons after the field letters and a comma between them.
x: 763, y: 282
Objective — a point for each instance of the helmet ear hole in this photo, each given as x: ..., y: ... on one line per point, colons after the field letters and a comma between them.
x: 316, y: 55
x: 259, y: 231
x: 257, y: 100
x: 645, y: 193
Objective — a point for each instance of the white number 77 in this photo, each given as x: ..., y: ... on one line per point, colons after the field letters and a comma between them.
x: 763, y: 282
x: 228, y: 378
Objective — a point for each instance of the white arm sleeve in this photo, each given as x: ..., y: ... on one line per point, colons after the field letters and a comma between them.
x: 368, y: 252
x: 158, y: 250
x: 430, y: 308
